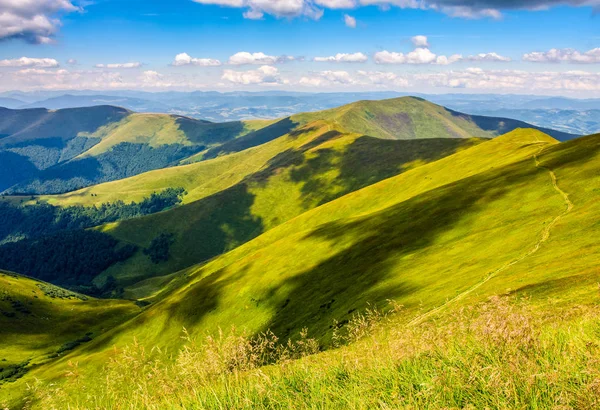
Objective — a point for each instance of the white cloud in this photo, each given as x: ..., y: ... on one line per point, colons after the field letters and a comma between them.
x: 265, y: 75
x: 383, y: 79
x: 72, y: 61
x: 119, y: 65
x: 349, y: 21
x: 29, y: 62
x: 343, y: 58
x: 245, y: 58
x: 423, y: 55
x: 185, y: 59
x: 467, y: 9
x: 34, y: 21
x: 417, y: 56
x: 255, y: 9
x: 489, y: 57
x: 420, y: 41
x: 336, y: 4
x: 359, y: 79
x: 512, y: 80
x: 566, y: 55
x: 154, y: 79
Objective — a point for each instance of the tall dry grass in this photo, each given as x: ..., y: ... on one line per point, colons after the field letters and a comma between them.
x: 497, y: 355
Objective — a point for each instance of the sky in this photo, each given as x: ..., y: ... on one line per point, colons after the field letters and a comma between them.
x: 427, y: 46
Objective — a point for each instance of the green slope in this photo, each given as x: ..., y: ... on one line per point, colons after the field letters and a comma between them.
x: 397, y: 118
x: 513, y: 215
x: 67, y: 149
x: 36, y: 139
x: 240, y: 196
x: 268, y: 184
x: 40, y: 321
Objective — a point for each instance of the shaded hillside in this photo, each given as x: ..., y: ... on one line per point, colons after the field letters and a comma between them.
x: 296, y: 173
x: 40, y: 322
x: 59, y: 151
x: 37, y: 139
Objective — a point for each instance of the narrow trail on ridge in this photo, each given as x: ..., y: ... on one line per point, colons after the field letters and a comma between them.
x: 545, y: 235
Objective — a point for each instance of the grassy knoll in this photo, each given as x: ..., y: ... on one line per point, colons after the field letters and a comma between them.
x: 40, y: 321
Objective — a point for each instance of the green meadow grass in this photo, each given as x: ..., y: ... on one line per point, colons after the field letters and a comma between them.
x: 379, y: 273
x: 39, y: 321
x: 270, y: 184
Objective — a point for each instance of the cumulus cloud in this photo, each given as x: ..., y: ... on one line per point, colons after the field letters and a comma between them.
x: 336, y: 4
x: 343, y: 58
x: 35, y: 21
x: 245, y: 58
x: 423, y: 55
x: 468, y: 9
x: 419, y: 55
x: 72, y: 61
x: 360, y: 78
x: 119, y: 65
x: 493, y: 57
x: 265, y: 75
x: 255, y: 9
x: 29, y: 62
x: 420, y: 41
x: 349, y: 21
x: 513, y: 80
x: 185, y: 59
x: 566, y: 55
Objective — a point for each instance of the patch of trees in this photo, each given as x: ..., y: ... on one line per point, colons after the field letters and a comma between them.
x: 158, y: 251
x: 70, y: 258
x: 32, y: 221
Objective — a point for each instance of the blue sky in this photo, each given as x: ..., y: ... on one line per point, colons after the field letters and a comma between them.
x: 496, y: 46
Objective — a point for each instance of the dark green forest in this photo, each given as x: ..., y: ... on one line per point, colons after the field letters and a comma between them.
x: 53, y: 243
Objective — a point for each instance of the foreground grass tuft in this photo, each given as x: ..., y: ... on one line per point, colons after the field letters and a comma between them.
x: 499, y: 354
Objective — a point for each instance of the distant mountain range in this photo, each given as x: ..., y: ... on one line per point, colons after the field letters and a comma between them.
x: 577, y: 116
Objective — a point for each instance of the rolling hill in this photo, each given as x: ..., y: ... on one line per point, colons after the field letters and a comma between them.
x: 41, y: 322
x: 46, y: 151
x: 511, y: 216
x: 265, y: 181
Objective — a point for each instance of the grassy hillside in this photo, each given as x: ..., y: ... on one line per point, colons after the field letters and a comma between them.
x: 123, y: 146
x: 401, y: 118
x: 36, y: 139
x: 142, y: 142
x: 268, y: 184
x: 238, y: 197
x: 40, y: 322
x: 488, y: 220
x: 511, y: 216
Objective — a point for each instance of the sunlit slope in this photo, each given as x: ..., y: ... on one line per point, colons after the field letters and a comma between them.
x: 419, y: 238
x: 405, y: 118
x: 200, y: 179
x: 564, y: 270
x: 402, y: 118
x: 422, y: 238
x: 39, y: 321
x: 163, y: 129
x: 264, y: 187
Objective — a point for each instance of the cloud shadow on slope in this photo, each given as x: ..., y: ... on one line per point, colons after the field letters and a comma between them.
x: 364, y: 271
